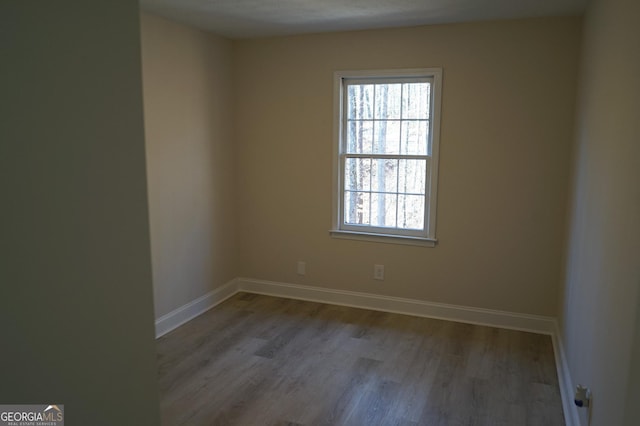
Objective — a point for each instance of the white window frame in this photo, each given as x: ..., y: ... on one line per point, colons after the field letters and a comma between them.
x: 426, y: 237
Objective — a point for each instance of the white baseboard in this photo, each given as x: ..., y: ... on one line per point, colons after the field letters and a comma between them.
x: 186, y: 313
x: 565, y: 383
x: 480, y: 316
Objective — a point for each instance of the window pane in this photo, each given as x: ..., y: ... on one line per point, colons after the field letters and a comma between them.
x: 356, y: 208
x: 385, y: 151
x: 410, y: 211
x: 359, y: 137
x: 383, y: 210
x: 415, y: 137
x: 384, y: 175
x: 415, y: 100
x: 357, y: 174
x: 412, y: 175
x: 388, y: 101
x: 360, y: 101
x: 387, y: 137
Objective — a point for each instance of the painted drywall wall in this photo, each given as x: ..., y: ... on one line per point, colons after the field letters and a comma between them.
x: 631, y: 412
x: 507, y: 124
x: 76, y: 313
x: 187, y: 107
x: 600, y: 302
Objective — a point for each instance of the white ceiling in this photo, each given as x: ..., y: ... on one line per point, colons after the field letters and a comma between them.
x: 262, y: 18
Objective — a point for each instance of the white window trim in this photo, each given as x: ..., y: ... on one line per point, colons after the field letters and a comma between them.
x: 429, y: 240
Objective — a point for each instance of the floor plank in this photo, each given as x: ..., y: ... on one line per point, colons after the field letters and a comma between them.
x: 260, y: 360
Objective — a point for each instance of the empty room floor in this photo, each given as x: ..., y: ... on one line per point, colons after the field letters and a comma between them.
x: 262, y: 360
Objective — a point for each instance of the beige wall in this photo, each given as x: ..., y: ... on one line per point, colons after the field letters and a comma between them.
x: 632, y: 414
x: 76, y: 314
x: 600, y: 302
x: 507, y: 121
x: 187, y: 102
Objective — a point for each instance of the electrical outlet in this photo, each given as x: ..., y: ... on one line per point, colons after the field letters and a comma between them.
x: 583, y: 396
x: 378, y: 272
x: 302, y: 267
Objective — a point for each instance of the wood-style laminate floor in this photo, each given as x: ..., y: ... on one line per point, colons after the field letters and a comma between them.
x: 260, y: 360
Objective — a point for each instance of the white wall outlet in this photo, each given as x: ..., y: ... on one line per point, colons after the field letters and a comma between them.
x: 378, y: 272
x: 583, y: 396
x: 302, y: 267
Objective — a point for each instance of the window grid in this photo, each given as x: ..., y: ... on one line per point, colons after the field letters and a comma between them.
x: 371, y: 202
x: 400, y: 150
x: 375, y: 120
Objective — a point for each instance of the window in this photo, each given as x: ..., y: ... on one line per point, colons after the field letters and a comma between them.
x: 386, y: 161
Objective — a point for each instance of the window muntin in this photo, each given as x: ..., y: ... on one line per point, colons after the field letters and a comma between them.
x: 386, y: 153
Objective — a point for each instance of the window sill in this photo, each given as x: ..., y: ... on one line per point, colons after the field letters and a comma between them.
x: 383, y: 238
